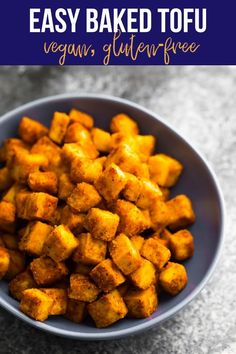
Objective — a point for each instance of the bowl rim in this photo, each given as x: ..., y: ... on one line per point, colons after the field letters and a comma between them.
x: 166, y: 315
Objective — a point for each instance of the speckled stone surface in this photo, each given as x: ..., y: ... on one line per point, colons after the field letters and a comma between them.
x: 201, y: 102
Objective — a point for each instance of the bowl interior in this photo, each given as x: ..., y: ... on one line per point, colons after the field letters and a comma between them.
x: 196, y: 181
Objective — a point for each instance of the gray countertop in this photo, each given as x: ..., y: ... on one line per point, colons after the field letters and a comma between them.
x: 201, y: 102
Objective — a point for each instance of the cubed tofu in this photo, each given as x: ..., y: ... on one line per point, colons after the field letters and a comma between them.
x: 60, y: 243
x: 107, y: 276
x: 160, y: 215
x: 36, y: 304
x: 181, y: 245
x: 132, y: 220
x: 138, y: 241
x: 102, y: 224
x: 181, y: 212
x: 76, y: 132
x: 46, y: 271
x: 10, y: 195
x: 73, y: 221
x: 123, y: 123
x: 90, y: 250
x: 43, y: 182
x: 144, y: 276
x: 164, y: 170
x: 10, y: 241
x: 36, y: 206
x: 162, y: 236
x: 173, y: 278
x: 58, y: 128
x: 20, y: 283
x: 108, y: 309
x: 76, y: 310
x: 9, y: 148
x: 141, y: 303
x: 82, y: 268
x: 4, y: 261
x: 85, y: 170
x: 83, y: 118
x: 149, y: 193
x: 7, y: 216
x: 65, y: 186
x: 5, y: 178
x: 155, y: 252
x: 16, y: 265
x: 72, y: 151
x: 35, y: 234
x: 101, y: 139
x: 111, y: 182
x: 30, y: 130
x: 146, y: 145
x: 59, y: 297
x: 83, y: 197
x: 124, y: 254
x: 82, y: 288
x: 132, y: 189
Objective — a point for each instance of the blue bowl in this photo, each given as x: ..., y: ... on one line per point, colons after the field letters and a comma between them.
x: 197, y: 181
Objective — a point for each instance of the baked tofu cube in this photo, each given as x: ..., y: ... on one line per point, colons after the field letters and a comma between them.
x: 155, y: 252
x: 109, y: 309
x: 123, y: 123
x: 82, y: 288
x: 141, y: 303
x: 173, y: 278
x: 10, y: 241
x: 71, y: 151
x: 16, y: 265
x: 144, y: 276
x: 65, y: 186
x: 124, y: 254
x: 111, y: 182
x: 46, y: 271
x: 58, y: 128
x: 181, y: 245
x: 59, y: 297
x: 4, y: 261
x: 149, y: 193
x: 101, y: 139
x: 20, y: 283
x: 60, y: 243
x: 43, y: 182
x: 138, y: 241
x: 90, y: 250
x: 34, y: 236
x: 146, y: 145
x: 164, y: 170
x: 5, y: 179
x: 10, y: 147
x: 160, y: 215
x: 132, y: 189
x: 83, y: 118
x: 83, y: 197
x: 10, y: 195
x: 36, y: 304
x: 39, y: 206
x: 107, y: 276
x: 102, y: 224
x: 132, y: 220
x: 76, y: 132
x: 76, y: 310
x: 85, y: 170
x: 72, y: 220
x: 181, y: 212
x: 30, y: 130
x: 7, y: 216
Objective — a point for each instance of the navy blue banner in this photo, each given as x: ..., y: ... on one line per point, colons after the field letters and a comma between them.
x: 106, y: 32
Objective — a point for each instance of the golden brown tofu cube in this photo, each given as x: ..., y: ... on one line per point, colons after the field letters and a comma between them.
x: 141, y: 303
x: 43, y: 182
x: 58, y: 128
x: 138, y: 241
x: 65, y: 186
x: 39, y: 206
x: 35, y: 234
x: 164, y: 170
x: 181, y: 245
x: 107, y: 310
x: 101, y: 139
x: 46, y: 271
x: 160, y: 215
x: 111, y: 182
x: 4, y: 261
x: 144, y: 276
x: 10, y: 241
x: 72, y: 220
x: 90, y: 250
x: 124, y: 254
x: 83, y: 197
x: 173, y: 278
x: 83, y: 118
x: 82, y: 288
x: 20, y: 283
x: 132, y: 189
x: 149, y: 193
x: 181, y: 212
x: 76, y: 310
x: 5, y: 178
x: 10, y: 147
x: 60, y: 243
x: 132, y: 220
x: 123, y: 123
x: 36, y: 304
x: 16, y: 265
x: 155, y: 252
x: 30, y: 130
x: 59, y: 297
x: 76, y: 132
x: 10, y: 195
x: 107, y: 276
x: 81, y: 268
x: 71, y: 151
x: 146, y: 145
x: 7, y: 216
x: 102, y: 224
x: 85, y: 170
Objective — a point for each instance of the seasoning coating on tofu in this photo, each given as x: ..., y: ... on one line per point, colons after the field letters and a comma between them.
x: 90, y: 250
x: 82, y: 288
x: 181, y: 212
x: 141, y: 303
x: 36, y: 304
x: 77, y: 116
x: 101, y: 139
x: 181, y: 245
x: 7, y: 216
x: 76, y: 310
x: 46, y: 271
x: 30, y: 130
x: 65, y: 186
x: 74, y: 221
x: 173, y: 278
x: 123, y: 123
x: 83, y: 197
x: 4, y: 261
x: 59, y: 297
x: 58, y: 128
x: 144, y: 276
x: 20, y: 283
x: 155, y: 252
x: 16, y: 264
x: 43, y: 182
